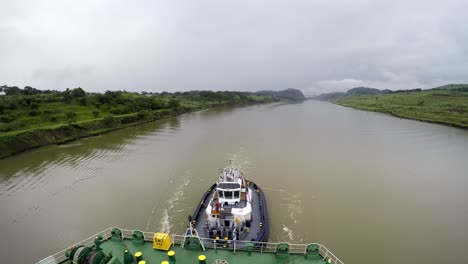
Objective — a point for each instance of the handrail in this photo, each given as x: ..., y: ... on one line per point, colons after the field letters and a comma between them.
x: 263, y: 247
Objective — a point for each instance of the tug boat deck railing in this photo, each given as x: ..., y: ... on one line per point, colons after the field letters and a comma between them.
x: 177, y: 240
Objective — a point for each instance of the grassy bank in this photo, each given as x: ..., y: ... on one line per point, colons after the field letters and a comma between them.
x: 32, y: 118
x: 18, y: 141
x: 446, y: 105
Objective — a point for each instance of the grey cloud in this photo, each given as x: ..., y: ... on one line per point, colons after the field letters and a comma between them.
x: 60, y: 77
x: 317, y: 46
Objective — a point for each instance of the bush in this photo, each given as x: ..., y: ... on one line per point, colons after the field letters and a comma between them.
x: 82, y: 101
x: 96, y: 113
x: 173, y: 103
x: 12, y: 105
x: 34, y: 106
x: 109, y: 120
x: 120, y: 110
x: 15, y: 125
x: 7, y: 118
x: 71, y: 116
x: 461, y: 109
x: 143, y: 114
x: 34, y: 113
x: 78, y: 92
x: 156, y: 104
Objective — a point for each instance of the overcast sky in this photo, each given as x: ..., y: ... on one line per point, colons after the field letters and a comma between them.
x: 314, y: 45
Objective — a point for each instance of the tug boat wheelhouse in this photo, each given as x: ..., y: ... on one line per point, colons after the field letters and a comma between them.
x: 232, y: 209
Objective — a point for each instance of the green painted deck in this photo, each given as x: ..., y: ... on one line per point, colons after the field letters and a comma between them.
x: 152, y: 256
x: 115, y: 241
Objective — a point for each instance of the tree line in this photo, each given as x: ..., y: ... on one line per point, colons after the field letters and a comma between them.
x: 21, y: 107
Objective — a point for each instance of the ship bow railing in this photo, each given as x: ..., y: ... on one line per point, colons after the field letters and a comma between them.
x: 262, y: 247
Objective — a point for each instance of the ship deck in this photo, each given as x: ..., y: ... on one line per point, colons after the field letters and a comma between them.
x: 265, y: 254
x: 191, y: 256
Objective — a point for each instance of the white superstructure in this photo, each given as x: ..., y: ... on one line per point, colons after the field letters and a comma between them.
x: 229, y: 212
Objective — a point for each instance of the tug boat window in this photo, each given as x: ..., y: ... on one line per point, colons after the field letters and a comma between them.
x: 228, y: 195
x: 236, y: 194
x: 229, y: 185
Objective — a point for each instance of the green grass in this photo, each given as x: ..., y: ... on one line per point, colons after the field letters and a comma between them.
x: 57, y: 110
x: 23, y: 112
x: 444, y: 105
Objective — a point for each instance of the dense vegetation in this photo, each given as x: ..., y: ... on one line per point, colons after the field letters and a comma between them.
x: 30, y: 117
x: 27, y: 108
x: 445, y: 105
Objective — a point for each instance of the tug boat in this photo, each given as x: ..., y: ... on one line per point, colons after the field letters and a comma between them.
x: 232, y: 209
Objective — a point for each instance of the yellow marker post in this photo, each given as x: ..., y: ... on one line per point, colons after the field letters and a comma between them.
x: 202, y: 259
x: 138, y: 256
x: 171, y: 255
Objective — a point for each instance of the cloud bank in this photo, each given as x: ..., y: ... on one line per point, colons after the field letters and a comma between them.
x: 316, y: 46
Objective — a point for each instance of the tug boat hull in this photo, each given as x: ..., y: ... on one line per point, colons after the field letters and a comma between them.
x: 233, y: 209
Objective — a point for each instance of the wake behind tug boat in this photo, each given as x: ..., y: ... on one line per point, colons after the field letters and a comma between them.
x: 233, y: 209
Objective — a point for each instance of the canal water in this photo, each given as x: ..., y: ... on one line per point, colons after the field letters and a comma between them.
x: 371, y: 187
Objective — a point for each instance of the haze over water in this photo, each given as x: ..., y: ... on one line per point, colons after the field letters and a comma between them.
x: 370, y: 187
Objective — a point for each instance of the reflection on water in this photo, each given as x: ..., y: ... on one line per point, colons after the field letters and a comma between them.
x: 368, y: 186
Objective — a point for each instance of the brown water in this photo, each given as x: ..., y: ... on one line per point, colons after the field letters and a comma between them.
x: 372, y: 188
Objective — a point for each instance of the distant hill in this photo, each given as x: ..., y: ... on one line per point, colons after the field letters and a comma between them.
x: 289, y: 94
x: 351, y: 92
x: 363, y: 91
x: 453, y: 87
